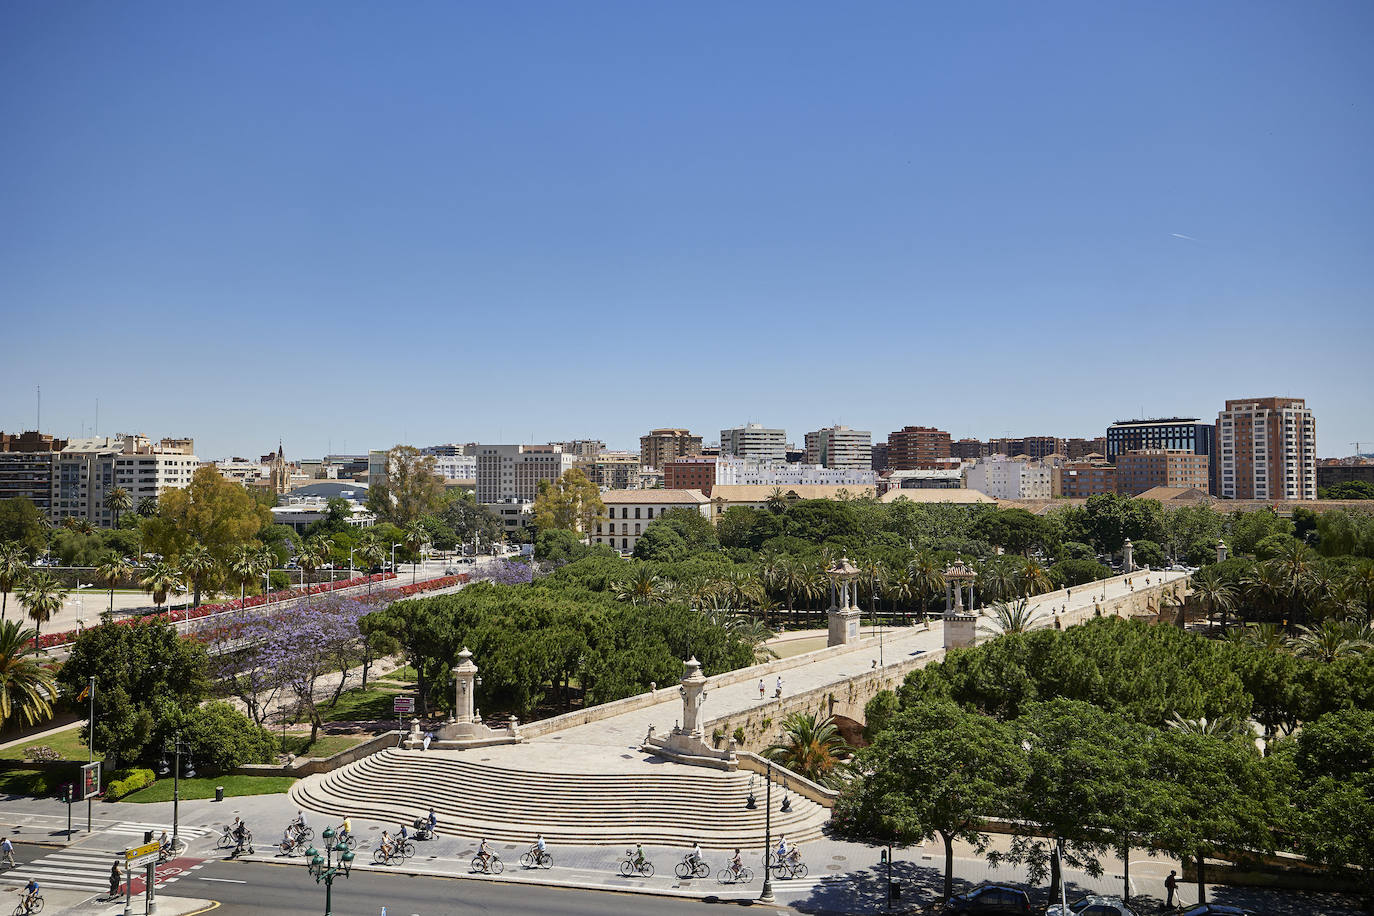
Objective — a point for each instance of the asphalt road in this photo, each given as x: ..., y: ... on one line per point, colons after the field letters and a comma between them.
x: 289, y: 890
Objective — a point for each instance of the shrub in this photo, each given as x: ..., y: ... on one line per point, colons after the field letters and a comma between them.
x: 41, y: 752
x: 219, y: 737
x: 739, y: 736
x: 130, y: 781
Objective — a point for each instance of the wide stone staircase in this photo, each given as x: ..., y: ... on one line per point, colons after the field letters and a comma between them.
x: 658, y: 803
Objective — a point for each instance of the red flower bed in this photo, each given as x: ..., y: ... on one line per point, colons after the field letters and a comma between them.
x: 48, y: 640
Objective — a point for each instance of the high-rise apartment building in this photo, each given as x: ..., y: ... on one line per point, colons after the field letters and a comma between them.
x: 1147, y: 468
x: 695, y: 472
x: 1036, y: 447
x: 1081, y: 479
x: 969, y: 449
x: 840, y: 447
x: 582, y: 448
x: 86, y: 471
x: 1082, y: 448
x: 513, y: 472
x: 1008, y: 478
x: 879, y: 456
x: 754, y: 440
x: 1266, y: 449
x: 913, y: 447
x: 663, y: 445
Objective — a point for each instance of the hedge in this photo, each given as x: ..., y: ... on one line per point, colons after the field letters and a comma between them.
x: 133, y: 781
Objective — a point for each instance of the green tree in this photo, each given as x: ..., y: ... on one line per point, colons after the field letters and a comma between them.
x: 118, y: 501
x: 42, y: 596
x: 245, y: 567
x: 470, y: 521
x: 216, y: 735
x: 410, y: 489
x: 214, y: 512
x: 114, y: 570
x: 1350, y: 489
x: 1214, y: 594
x: 27, y: 688
x: 313, y: 554
x: 416, y: 537
x: 811, y: 746
x: 571, y: 502
x: 14, y: 566
x: 138, y: 668
x: 936, y: 770
x: 198, y: 567
x: 1013, y: 617
x: 161, y: 579
x: 21, y: 523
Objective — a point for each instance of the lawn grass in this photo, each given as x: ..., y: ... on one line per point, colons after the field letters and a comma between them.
x: 68, y: 743
x: 161, y: 790
x: 358, y: 704
x: 326, y: 746
x: 34, y: 783
x: 404, y: 673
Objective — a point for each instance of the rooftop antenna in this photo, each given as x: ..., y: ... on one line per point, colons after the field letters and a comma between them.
x: 38, y: 417
x: 95, y: 431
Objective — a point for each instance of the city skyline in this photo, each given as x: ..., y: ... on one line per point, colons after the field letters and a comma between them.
x: 260, y: 222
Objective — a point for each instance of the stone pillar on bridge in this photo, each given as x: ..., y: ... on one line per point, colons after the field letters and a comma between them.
x: 693, y: 692
x: 465, y: 681
x: 961, y: 626
x: 1129, y: 548
x: 1221, y: 551
x: 844, y: 616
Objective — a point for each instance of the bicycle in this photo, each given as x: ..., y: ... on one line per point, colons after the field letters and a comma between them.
x: 490, y: 866
x: 533, y: 858
x: 28, y: 907
x: 174, y: 849
x: 732, y: 875
x: 226, y: 838
x: 247, y: 844
x: 348, y: 839
x: 789, y: 867
x: 303, y: 835
x: 291, y: 847
x: 691, y: 867
x: 632, y: 865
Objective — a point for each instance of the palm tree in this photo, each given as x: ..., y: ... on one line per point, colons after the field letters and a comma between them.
x: 1360, y: 582
x: 1266, y: 636
x: 1214, y: 594
x: 641, y: 587
x: 1332, y: 640
x: 161, y: 578
x: 776, y: 501
x: 115, y: 569
x: 415, y: 536
x: 1013, y: 617
x: 1031, y: 578
x: 927, y: 578
x: 267, y: 559
x: 14, y: 565
x: 1223, y: 727
x: 901, y: 586
x: 313, y: 554
x: 198, y: 567
x: 996, y: 580
x: 754, y: 633
x: 371, y: 552
x: 812, y: 747
x: 873, y: 572
x: 42, y: 596
x: 245, y: 565
x: 1295, y: 564
x: 1263, y: 586
x: 26, y: 687
x: 147, y: 506
x: 118, y: 501
x: 83, y: 526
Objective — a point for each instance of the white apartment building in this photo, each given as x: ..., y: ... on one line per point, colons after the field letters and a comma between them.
x: 629, y: 512
x: 1007, y: 478
x: 778, y: 473
x: 88, y: 469
x: 754, y: 441
x: 1266, y: 449
x: 840, y: 447
x: 513, y: 472
x: 456, y: 467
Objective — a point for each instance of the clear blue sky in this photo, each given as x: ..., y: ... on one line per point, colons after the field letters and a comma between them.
x: 335, y: 223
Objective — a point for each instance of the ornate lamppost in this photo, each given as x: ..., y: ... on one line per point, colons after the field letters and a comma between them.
x: 325, y: 868
x: 177, y: 746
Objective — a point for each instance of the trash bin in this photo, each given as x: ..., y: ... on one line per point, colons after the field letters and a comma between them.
x: 894, y: 891
x: 219, y: 793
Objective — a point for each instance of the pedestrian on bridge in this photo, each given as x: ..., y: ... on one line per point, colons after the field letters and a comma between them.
x: 760, y: 688
x: 114, y: 879
x: 778, y: 693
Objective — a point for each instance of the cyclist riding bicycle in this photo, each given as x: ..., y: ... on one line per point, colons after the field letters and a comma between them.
x: 737, y: 863
x: 639, y: 855
x: 695, y: 855
x: 299, y: 822
x: 782, y: 848
x: 794, y: 854
x: 387, y: 845
x: 30, y: 894
x: 164, y: 845
x: 403, y: 835
x: 346, y: 829
x: 484, y: 853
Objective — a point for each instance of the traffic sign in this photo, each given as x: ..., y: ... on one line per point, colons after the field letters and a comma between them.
x: 141, y: 855
x: 400, y: 705
x: 90, y: 779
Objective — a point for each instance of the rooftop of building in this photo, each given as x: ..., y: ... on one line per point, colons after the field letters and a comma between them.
x: 1154, y: 420
x: 761, y: 492
x: 654, y: 497
x: 960, y: 496
x: 331, y: 489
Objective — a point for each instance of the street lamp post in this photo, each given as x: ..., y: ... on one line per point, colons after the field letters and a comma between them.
x: 267, y: 587
x: 350, y: 563
x: 177, y: 746
x: 325, y: 868
x: 766, y: 896
x: 393, y: 558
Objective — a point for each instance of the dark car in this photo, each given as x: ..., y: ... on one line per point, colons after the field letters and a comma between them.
x: 990, y: 899
x: 1213, y: 909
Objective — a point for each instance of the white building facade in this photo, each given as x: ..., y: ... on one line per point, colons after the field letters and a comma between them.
x: 88, y: 469
x: 1007, y: 478
x: 629, y: 512
x: 513, y: 472
x: 779, y: 473
x: 840, y: 447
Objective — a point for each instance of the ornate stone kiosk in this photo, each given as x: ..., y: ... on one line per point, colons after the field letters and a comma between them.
x: 961, y: 627
x: 844, y: 616
x: 685, y: 742
x: 465, y: 729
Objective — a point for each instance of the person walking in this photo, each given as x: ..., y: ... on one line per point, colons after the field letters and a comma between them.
x: 778, y: 694
x: 114, y: 879
x: 1170, y: 888
x: 761, y: 688
x: 428, y: 736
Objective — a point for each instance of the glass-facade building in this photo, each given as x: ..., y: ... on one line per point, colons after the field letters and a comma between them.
x: 1187, y: 434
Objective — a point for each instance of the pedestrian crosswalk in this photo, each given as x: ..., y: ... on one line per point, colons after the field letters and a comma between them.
x: 136, y: 830
x: 71, y: 869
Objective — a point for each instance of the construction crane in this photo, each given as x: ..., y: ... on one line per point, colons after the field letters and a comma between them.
x: 1357, y: 444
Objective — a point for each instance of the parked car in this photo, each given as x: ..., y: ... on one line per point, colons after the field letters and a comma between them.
x: 1093, y: 905
x: 989, y: 900
x: 1212, y: 909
